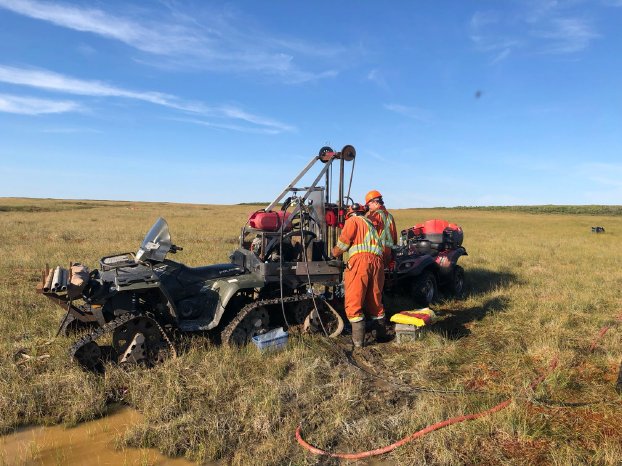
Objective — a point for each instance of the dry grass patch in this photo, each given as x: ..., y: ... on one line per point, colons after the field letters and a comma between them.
x: 540, y: 287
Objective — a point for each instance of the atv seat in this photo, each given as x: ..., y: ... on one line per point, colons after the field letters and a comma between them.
x: 209, y: 272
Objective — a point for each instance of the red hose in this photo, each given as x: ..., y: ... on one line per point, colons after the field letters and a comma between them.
x: 422, y: 432
x: 602, y: 333
x: 538, y: 380
x: 439, y: 425
x: 399, y: 443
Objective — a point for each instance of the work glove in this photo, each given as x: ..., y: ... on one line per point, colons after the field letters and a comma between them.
x: 337, y: 263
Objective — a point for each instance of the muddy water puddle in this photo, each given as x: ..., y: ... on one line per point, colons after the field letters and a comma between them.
x: 89, y: 443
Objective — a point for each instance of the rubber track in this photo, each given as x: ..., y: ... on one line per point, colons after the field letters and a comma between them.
x: 109, y: 327
x: 246, y: 310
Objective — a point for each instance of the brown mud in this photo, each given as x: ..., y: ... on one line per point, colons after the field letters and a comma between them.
x: 93, y: 443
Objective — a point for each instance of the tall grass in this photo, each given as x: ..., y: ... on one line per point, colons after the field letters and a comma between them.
x: 539, y: 287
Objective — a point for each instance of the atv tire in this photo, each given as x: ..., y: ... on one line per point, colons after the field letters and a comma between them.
x: 456, y: 284
x: 425, y: 288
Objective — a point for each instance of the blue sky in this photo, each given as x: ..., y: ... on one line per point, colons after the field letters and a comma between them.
x: 447, y: 102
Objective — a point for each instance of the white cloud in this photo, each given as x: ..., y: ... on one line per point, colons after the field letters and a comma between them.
x: 48, y: 80
x: 481, y: 19
x: 501, y: 56
x: 488, y: 35
x: 213, y: 41
x: 601, y: 182
x: 33, y: 106
x: 377, y: 77
x: 410, y: 112
x: 604, y: 174
x: 566, y: 35
x: 540, y: 10
x: 86, y: 50
x: 538, y: 27
x: 162, y: 40
x: 69, y: 130
x: 226, y: 126
x: 377, y: 156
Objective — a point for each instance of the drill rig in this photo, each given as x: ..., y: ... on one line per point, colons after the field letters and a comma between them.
x: 288, y: 250
x: 280, y: 275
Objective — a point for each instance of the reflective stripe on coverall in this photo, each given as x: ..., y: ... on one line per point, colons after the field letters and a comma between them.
x: 385, y: 224
x: 364, y: 276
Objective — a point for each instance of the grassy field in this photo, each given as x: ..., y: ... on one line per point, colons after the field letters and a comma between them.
x: 540, y: 286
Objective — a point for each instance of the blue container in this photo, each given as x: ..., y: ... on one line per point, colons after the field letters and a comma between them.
x: 272, y: 340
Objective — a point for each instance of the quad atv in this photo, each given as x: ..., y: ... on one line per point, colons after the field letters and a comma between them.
x: 426, y: 261
x: 280, y: 275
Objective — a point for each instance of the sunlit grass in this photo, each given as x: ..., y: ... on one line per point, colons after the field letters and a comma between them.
x: 540, y: 287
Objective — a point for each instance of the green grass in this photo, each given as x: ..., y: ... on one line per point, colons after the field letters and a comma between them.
x: 540, y: 287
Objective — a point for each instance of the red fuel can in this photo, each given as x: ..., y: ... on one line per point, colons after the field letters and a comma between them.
x: 268, y: 221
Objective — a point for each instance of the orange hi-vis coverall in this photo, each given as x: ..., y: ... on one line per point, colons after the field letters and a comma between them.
x: 364, y: 275
x: 385, y: 224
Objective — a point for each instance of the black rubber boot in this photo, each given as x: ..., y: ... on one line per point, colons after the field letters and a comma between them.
x: 381, y: 330
x: 358, y: 334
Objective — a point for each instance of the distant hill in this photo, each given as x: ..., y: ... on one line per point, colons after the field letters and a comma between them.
x: 554, y: 209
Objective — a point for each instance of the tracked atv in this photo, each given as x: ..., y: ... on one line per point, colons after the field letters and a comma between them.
x: 280, y: 275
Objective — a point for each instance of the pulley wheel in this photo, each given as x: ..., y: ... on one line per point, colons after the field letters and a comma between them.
x: 348, y: 153
x: 326, y: 153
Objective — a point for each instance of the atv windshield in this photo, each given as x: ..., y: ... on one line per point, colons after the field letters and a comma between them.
x: 156, y: 244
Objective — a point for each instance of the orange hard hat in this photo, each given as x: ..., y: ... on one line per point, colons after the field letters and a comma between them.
x: 355, y: 209
x: 373, y: 194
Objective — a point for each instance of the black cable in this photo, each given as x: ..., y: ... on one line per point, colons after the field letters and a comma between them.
x: 304, y: 253
x: 351, y: 176
x: 328, y: 183
x: 281, y: 272
x: 64, y: 318
x: 402, y: 386
x: 547, y: 402
x: 567, y: 404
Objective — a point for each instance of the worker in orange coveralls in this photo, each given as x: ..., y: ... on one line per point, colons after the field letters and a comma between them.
x: 364, y: 275
x: 384, y: 223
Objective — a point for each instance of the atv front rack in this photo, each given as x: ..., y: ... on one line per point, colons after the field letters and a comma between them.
x: 53, y: 285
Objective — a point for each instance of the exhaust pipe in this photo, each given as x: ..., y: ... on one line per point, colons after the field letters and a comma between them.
x: 63, y: 279
x: 56, y: 279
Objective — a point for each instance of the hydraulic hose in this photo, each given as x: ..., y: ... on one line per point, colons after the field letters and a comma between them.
x: 602, y: 332
x: 399, y: 443
x: 420, y: 433
x: 454, y: 420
